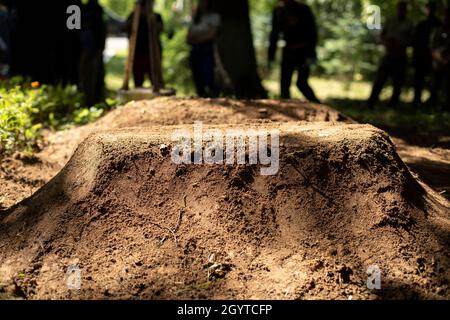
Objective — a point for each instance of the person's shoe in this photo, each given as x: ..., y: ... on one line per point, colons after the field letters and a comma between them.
x: 315, y: 100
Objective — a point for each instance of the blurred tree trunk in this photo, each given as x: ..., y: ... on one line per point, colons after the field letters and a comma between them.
x: 236, y: 50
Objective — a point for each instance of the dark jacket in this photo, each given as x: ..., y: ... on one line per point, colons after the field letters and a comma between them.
x: 297, y: 24
x: 422, y: 39
x: 93, y: 33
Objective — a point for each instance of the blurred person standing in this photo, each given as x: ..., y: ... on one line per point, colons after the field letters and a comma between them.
x: 93, y: 40
x: 67, y: 46
x: 440, y: 49
x: 6, y: 21
x: 396, y: 37
x: 422, y: 51
x: 142, y: 56
x: 297, y: 24
x: 201, y: 36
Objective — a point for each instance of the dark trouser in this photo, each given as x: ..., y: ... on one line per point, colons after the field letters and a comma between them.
x: 422, y: 68
x: 141, y: 68
x: 394, y: 67
x: 202, y: 65
x: 92, y: 77
x: 295, y: 60
x: 440, y: 89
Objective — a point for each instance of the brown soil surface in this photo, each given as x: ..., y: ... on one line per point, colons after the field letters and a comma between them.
x: 21, y: 178
x: 431, y: 165
x: 139, y: 226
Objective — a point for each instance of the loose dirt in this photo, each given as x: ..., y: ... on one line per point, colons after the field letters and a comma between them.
x: 139, y: 226
x: 20, y: 177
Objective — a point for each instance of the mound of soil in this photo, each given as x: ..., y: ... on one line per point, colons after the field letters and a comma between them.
x: 176, y: 111
x: 20, y: 179
x: 139, y: 226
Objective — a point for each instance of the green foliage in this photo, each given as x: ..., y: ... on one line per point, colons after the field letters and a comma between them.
x: 398, y: 119
x: 27, y: 107
x: 86, y: 115
x: 56, y: 103
x: 176, y: 51
x: 17, y: 129
x: 348, y: 49
x: 120, y: 7
x: 176, y: 68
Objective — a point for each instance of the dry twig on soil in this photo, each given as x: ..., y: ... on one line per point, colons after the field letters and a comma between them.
x: 174, y: 230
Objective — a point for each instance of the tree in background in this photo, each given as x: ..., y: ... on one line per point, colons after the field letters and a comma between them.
x: 236, y: 49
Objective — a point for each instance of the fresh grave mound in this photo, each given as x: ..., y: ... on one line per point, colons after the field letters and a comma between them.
x: 176, y: 111
x: 137, y: 225
x: 20, y: 179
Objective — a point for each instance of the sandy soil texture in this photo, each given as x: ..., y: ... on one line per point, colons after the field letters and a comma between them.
x: 140, y: 226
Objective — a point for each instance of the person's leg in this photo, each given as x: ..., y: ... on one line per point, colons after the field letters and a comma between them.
x: 303, y: 85
x: 380, y: 80
x: 139, y: 70
x: 88, y: 79
x: 398, y: 68
x: 287, y: 70
x: 419, y: 83
x: 196, y: 69
x: 149, y: 72
x: 100, y: 83
x: 438, y: 76
x: 208, y: 72
x: 446, y: 103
